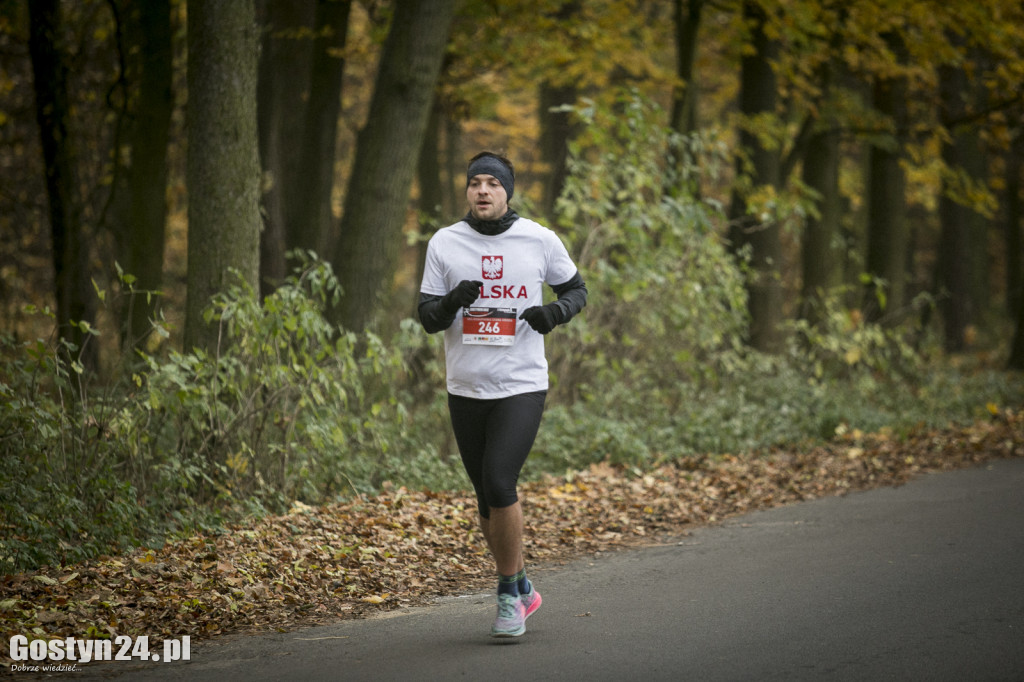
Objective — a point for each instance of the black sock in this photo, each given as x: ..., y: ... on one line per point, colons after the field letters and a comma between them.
x: 509, y: 584
x: 524, y: 583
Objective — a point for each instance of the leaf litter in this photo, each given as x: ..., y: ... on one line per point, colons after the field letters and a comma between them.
x: 401, y: 548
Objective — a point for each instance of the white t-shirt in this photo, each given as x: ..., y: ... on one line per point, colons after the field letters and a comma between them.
x: 489, y: 351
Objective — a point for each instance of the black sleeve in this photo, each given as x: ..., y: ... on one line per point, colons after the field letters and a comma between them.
x: 432, y: 314
x: 572, y: 297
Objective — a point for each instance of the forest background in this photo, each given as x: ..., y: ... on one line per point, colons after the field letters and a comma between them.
x: 797, y: 220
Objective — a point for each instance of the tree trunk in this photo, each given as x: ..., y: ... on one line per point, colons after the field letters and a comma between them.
x: 556, y: 132
x: 454, y: 167
x: 223, y: 172
x: 955, y: 265
x: 823, y: 255
x: 428, y: 170
x: 283, y: 86
x: 888, y: 235
x: 557, y: 129
x: 310, y: 210
x: 683, y: 119
x: 684, y: 95
x: 428, y: 173
x: 977, y: 166
x: 74, y: 292
x: 142, y: 227
x: 1016, y: 360
x: 821, y: 265
x: 758, y: 96
x: 386, y: 155
x: 1012, y: 228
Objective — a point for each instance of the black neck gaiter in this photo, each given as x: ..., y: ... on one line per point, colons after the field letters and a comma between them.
x: 492, y: 227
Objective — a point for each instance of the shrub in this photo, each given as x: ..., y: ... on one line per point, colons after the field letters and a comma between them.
x: 62, y: 494
x: 287, y: 408
x: 654, y: 369
x: 668, y: 305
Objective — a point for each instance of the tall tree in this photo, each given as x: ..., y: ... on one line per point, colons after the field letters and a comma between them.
x: 309, y: 207
x: 888, y: 235
x: 556, y: 122
x: 140, y: 229
x: 1014, y: 285
x: 1016, y: 360
x: 386, y: 156
x: 1013, y: 241
x: 758, y: 166
x: 557, y: 130
x: 76, y: 297
x: 282, y: 91
x: 223, y: 164
x: 431, y: 199
x: 1014, y: 160
x: 822, y: 269
x: 955, y: 267
x: 686, y: 18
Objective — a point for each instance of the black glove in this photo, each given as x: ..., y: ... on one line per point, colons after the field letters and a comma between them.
x: 464, y: 293
x: 543, y: 318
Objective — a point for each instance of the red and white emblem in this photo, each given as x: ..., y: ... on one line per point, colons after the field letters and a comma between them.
x: 492, y: 267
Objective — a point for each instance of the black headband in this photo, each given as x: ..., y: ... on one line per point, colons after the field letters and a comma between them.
x: 492, y: 165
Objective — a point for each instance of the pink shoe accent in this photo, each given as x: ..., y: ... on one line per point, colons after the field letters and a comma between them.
x: 531, y: 601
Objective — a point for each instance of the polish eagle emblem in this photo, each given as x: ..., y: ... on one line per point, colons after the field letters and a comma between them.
x: 492, y: 266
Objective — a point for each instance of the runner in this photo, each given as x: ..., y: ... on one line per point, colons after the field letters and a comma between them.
x: 483, y: 285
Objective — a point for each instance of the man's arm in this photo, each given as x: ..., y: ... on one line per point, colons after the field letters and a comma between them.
x: 438, y: 312
x: 432, y: 316
x: 572, y: 296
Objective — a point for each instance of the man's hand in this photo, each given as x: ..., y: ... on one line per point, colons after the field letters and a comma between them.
x: 542, y: 318
x: 464, y: 294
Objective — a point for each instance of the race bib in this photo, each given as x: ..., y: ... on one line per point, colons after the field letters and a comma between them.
x: 489, y: 326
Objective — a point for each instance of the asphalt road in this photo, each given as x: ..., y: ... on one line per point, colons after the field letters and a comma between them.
x: 921, y: 582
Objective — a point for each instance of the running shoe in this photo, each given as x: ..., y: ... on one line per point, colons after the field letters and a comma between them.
x: 531, y: 601
x: 511, y: 620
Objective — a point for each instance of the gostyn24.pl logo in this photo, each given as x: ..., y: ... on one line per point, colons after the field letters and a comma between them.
x: 42, y: 655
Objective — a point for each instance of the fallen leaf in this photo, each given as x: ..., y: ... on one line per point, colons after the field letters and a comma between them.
x: 404, y: 548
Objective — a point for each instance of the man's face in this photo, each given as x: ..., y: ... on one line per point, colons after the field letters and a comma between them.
x: 487, y: 198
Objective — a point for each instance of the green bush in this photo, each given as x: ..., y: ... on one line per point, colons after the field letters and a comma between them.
x: 290, y: 407
x: 654, y: 369
x: 667, y: 300
x: 287, y: 408
x: 62, y: 494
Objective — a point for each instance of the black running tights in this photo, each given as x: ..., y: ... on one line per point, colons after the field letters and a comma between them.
x: 494, y: 438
